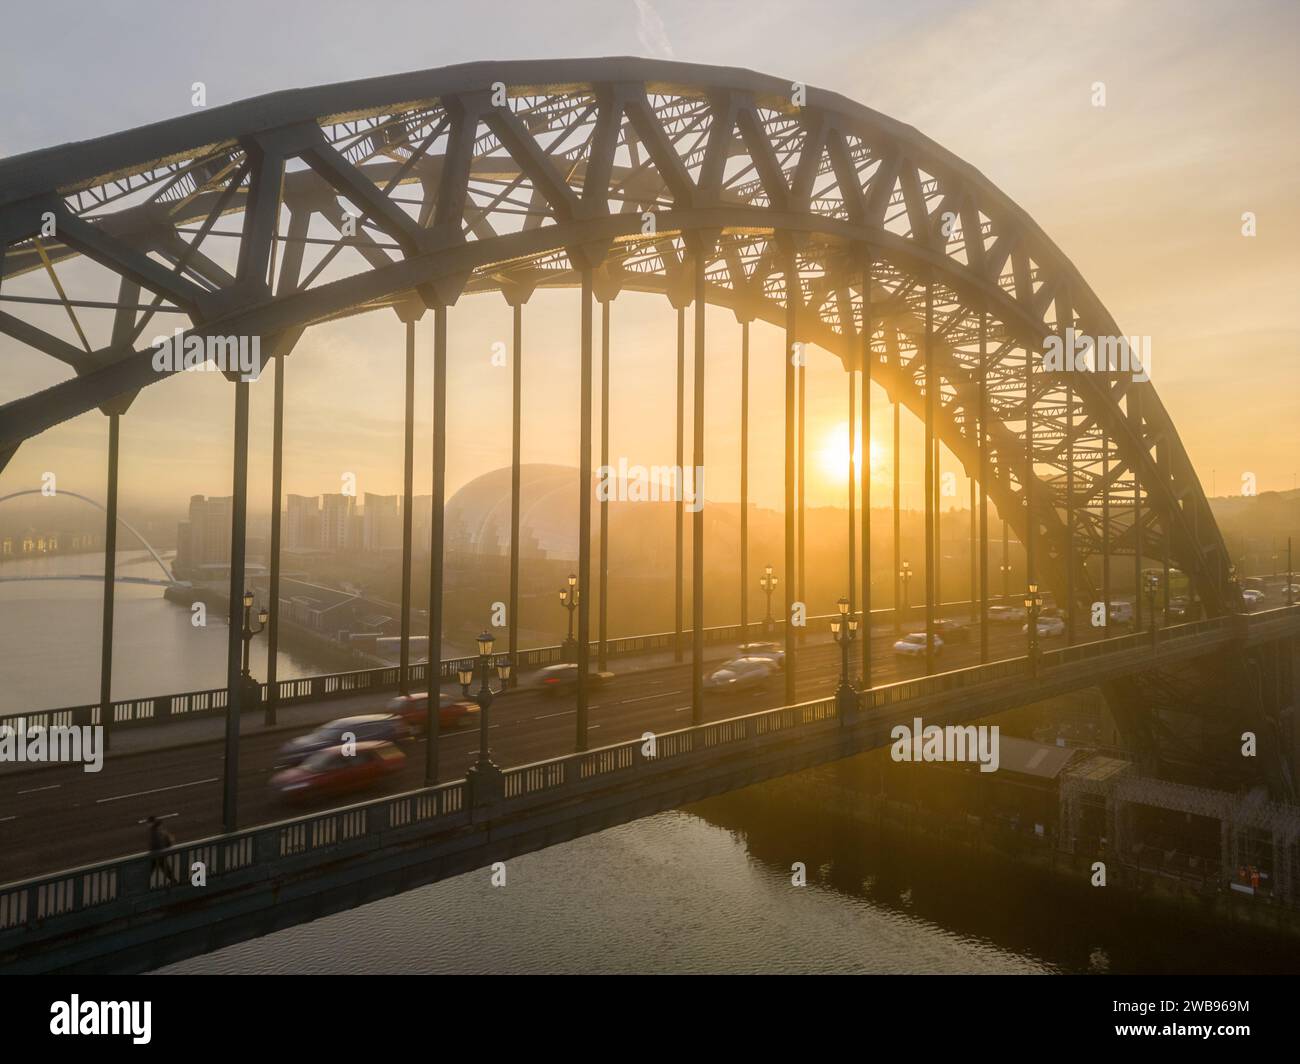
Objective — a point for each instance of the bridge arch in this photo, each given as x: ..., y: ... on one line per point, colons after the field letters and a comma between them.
x: 100, y: 506
x: 458, y: 192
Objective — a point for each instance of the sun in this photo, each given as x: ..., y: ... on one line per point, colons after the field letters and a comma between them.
x: 833, y: 455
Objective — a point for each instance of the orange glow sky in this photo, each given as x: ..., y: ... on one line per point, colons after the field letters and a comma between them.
x: 1145, y: 195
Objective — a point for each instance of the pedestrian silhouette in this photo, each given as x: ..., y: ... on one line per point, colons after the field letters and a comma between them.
x: 160, y: 840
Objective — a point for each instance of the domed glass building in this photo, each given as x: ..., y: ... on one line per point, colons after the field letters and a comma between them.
x: 478, y: 515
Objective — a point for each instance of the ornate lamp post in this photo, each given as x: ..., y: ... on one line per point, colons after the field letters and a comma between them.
x: 905, y: 575
x: 569, y: 600
x: 485, y: 778
x: 1290, y: 575
x: 1152, y: 586
x: 1033, y: 607
x: 768, y: 582
x: 844, y: 629
x: 252, y: 689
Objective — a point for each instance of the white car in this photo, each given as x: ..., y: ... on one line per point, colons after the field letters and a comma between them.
x: 1252, y: 598
x: 1006, y: 614
x: 913, y: 646
x: 772, y: 651
x: 741, y: 674
x: 1047, y: 627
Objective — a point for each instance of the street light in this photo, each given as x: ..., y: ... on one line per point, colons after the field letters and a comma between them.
x: 569, y: 600
x: 1152, y: 586
x: 1005, y: 568
x: 484, y: 777
x: 252, y: 689
x: 768, y: 582
x: 844, y: 629
x: 905, y: 575
x: 1290, y: 575
x: 1033, y: 607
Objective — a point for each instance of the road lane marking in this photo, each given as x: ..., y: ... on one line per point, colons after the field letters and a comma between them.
x: 6, y: 819
x: 156, y: 790
x: 34, y: 790
x: 548, y: 716
x: 646, y: 698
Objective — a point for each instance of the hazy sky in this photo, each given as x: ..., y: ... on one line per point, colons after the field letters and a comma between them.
x: 1145, y: 195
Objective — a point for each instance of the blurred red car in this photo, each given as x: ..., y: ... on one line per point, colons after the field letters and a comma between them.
x: 453, y: 712
x: 332, y: 772
x: 563, y: 679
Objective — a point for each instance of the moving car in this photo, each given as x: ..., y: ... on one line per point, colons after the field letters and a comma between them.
x: 561, y: 679
x: 953, y: 631
x: 333, y: 771
x: 742, y: 674
x: 453, y: 711
x: 772, y: 651
x: 913, y: 646
x: 1047, y: 627
x: 385, y: 727
x: 1006, y: 614
x: 1252, y: 598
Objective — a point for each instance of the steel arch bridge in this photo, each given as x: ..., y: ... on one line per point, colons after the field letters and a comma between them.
x: 626, y: 174
x: 167, y: 573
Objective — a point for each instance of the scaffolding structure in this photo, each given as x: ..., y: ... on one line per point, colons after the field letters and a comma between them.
x: 1249, y: 823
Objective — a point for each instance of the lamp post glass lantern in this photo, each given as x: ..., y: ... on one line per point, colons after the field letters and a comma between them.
x: 844, y: 629
x: 482, y: 667
x: 905, y: 575
x: 1033, y: 608
x: 251, y: 686
x: 569, y: 596
x: 767, y: 582
x: 1152, y: 586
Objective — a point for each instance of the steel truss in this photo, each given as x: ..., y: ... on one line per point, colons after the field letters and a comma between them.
x: 265, y: 217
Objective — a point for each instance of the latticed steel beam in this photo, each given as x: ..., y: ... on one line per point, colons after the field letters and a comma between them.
x: 510, y: 176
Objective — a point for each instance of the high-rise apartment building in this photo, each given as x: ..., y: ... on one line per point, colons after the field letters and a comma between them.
x: 335, y: 519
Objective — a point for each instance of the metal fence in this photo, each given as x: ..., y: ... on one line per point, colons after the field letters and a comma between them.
x: 263, y: 852
x: 160, y: 709
x: 212, y: 702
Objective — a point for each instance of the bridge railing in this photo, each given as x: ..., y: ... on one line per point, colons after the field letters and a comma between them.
x: 76, y: 897
x: 187, y: 705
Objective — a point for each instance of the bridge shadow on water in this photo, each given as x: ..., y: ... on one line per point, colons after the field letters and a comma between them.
x: 708, y: 889
x: 978, y: 895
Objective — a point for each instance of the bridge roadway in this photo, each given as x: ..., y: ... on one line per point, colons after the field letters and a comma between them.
x: 58, y: 816
x: 121, y: 915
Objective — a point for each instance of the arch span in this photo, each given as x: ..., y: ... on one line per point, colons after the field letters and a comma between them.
x: 100, y: 507
x: 627, y: 167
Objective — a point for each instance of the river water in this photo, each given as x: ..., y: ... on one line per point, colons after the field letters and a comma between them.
x: 706, y: 889
x: 710, y: 889
x: 50, y: 635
